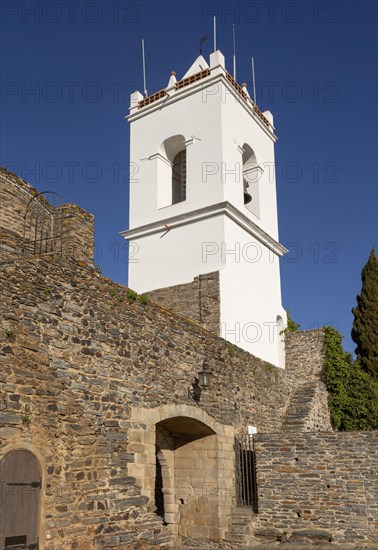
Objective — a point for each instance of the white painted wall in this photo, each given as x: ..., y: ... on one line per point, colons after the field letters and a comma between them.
x: 188, y: 117
x: 239, y: 128
x: 251, y: 295
x: 174, y: 257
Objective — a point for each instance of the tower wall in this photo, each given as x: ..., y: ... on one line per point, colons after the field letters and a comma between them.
x: 229, y: 148
x: 147, y: 136
x: 251, y: 312
x: 176, y: 256
x: 238, y: 130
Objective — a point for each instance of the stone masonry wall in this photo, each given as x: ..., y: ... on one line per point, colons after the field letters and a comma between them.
x: 198, y: 301
x: 15, y: 195
x: 307, y: 408
x: 73, y: 227
x: 317, y: 487
x: 78, y: 233
x: 77, y: 360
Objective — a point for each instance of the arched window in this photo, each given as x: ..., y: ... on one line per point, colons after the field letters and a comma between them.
x: 251, y: 180
x: 172, y: 171
x: 179, y: 177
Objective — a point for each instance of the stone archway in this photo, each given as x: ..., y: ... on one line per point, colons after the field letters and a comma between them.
x: 189, y: 465
x: 194, y: 456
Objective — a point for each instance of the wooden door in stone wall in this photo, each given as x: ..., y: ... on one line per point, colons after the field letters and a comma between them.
x: 20, y: 477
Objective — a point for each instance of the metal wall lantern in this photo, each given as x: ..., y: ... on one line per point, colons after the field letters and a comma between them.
x: 200, y: 383
x: 204, y: 377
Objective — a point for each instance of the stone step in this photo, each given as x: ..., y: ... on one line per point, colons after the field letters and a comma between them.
x: 299, y: 407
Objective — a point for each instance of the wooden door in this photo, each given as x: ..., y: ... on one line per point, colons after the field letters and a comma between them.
x: 20, y: 477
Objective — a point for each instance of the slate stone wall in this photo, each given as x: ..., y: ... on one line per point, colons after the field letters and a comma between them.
x: 199, y: 300
x: 77, y: 359
x: 86, y: 369
x: 317, y: 487
x: 308, y: 405
x: 73, y: 233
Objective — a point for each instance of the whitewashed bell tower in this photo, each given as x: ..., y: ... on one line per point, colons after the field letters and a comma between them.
x: 203, y: 199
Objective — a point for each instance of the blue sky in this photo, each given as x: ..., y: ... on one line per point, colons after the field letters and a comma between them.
x: 68, y: 68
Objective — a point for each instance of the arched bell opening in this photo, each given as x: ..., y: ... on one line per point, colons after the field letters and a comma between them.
x: 179, y: 177
x: 21, y: 483
x: 172, y: 172
x: 251, y: 177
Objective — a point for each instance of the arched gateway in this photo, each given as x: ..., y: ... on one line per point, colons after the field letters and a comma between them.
x: 184, y: 462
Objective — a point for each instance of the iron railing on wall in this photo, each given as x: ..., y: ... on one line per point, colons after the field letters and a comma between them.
x: 245, y: 461
x: 43, y: 225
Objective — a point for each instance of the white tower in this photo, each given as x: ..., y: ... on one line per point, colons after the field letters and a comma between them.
x: 200, y: 150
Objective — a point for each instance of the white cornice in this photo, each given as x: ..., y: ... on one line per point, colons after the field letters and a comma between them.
x: 191, y: 89
x: 223, y: 208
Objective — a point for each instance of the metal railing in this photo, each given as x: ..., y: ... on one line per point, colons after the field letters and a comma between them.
x: 245, y: 461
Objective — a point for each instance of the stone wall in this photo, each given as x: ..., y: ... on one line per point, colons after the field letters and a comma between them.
x: 79, y: 361
x: 305, y: 355
x: 317, y: 487
x: 307, y: 408
x: 78, y: 233
x: 62, y: 229
x: 198, y: 301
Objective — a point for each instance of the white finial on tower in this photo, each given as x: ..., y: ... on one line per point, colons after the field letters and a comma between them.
x: 172, y: 79
x: 245, y: 89
x: 144, y: 70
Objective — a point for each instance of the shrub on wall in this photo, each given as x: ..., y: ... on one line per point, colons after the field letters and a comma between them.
x: 353, y: 393
x: 291, y: 326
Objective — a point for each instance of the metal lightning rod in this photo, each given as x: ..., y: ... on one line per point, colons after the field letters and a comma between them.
x: 234, y: 43
x: 215, y: 33
x: 144, y: 69
x: 253, y: 81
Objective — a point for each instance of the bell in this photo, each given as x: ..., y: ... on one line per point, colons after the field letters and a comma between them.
x: 247, y: 197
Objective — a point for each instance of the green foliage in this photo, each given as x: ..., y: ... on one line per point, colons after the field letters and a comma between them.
x: 365, y: 324
x: 143, y: 298
x: 291, y: 326
x: 353, y: 393
x: 25, y: 419
x: 231, y: 351
x: 8, y: 332
x: 131, y: 295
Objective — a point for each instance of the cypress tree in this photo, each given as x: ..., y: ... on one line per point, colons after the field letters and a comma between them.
x: 365, y: 324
